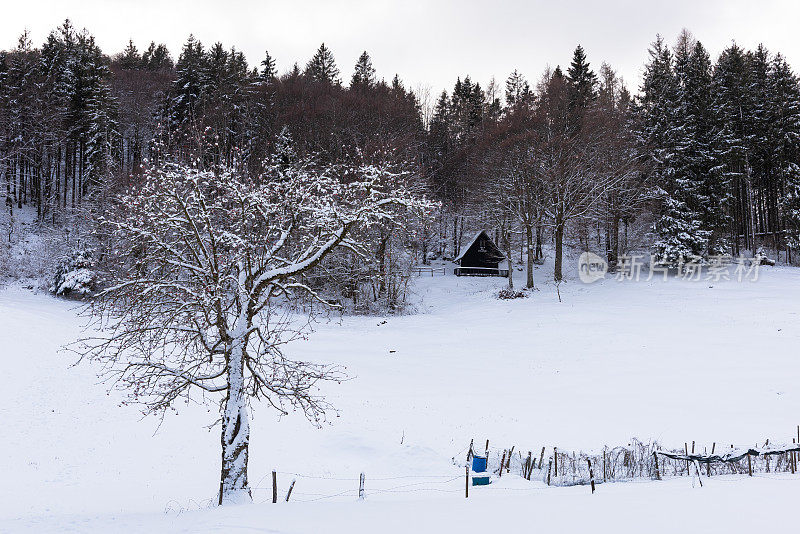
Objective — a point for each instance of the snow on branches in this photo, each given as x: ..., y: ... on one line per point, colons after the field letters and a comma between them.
x: 201, y: 264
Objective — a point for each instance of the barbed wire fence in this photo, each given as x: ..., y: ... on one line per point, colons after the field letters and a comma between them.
x: 546, y: 466
x: 638, y: 460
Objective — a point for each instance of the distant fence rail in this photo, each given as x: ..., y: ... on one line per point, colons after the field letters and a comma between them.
x: 480, y: 271
x: 420, y: 270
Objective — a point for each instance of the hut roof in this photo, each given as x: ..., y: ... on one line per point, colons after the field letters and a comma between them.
x: 495, y: 249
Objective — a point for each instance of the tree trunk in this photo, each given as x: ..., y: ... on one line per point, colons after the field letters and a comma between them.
x: 425, y: 245
x: 751, y: 211
x: 381, y: 257
x: 233, y: 488
x: 529, y: 260
x: 506, y: 233
x: 557, y: 276
x: 455, y: 236
x: 613, y: 251
x: 539, y: 256
x: 510, y: 259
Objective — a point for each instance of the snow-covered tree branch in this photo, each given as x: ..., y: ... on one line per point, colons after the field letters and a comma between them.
x: 202, y: 266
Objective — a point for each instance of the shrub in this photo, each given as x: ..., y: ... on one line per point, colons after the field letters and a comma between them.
x: 75, y: 275
x: 508, y: 294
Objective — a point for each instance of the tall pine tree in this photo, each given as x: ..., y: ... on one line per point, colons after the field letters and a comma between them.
x: 322, y: 67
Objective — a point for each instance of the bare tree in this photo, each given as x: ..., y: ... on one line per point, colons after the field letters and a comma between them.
x: 517, y: 192
x: 202, y: 266
x: 578, y: 162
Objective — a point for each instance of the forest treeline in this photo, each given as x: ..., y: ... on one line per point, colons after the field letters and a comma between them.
x: 701, y: 160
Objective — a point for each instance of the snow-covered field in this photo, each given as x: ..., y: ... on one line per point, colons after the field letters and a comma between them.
x: 673, y: 361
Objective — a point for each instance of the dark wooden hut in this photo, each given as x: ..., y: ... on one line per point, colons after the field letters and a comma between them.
x: 481, y: 257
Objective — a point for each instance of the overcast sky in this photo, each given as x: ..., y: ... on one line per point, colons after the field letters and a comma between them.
x: 427, y: 43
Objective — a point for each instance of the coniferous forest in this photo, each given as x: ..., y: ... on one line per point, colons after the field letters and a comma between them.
x: 700, y: 160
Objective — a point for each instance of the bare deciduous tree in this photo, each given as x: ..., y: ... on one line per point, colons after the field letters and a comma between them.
x: 201, y: 268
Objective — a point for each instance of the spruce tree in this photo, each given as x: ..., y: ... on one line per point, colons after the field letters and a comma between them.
x: 215, y: 73
x: 467, y: 109
x: 662, y: 129
x: 189, y: 83
x: 784, y: 119
x: 440, y: 128
x: 98, y: 121
x: 130, y: 58
x: 697, y: 182
x: 732, y: 108
x: 157, y: 57
x: 582, y: 80
x: 518, y: 92
x: 364, y: 73
x: 268, y: 70
x: 322, y: 67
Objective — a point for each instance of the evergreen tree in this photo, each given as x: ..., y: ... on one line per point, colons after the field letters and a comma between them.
x: 268, y: 70
x: 94, y: 113
x: 662, y: 129
x: 697, y: 183
x: 130, y: 58
x: 284, y: 153
x: 364, y: 73
x: 322, y: 67
x: 157, y: 57
x: 440, y: 128
x: 518, y: 92
x: 582, y: 81
x: 189, y: 83
x: 732, y: 112
x: 784, y: 120
x: 215, y: 74
x: 467, y: 109
x: 679, y: 234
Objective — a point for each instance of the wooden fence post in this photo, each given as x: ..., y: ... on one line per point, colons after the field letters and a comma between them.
x: 361, y: 480
x: 749, y: 465
x: 487, y: 451
x: 604, y: 464
x: 549, y: 468
x: 508, y: 465
x: 274, y: 487
x: 502, y: 464
x: 526, y: 473
x: 469, y: 452
x: 686, y: 450
x: 541, y: 458
x: 555, y: 461
x: 697, y: 469
x: 591, y: 473
x: 466, y: 487
x: 291, y: 487
x: 708, y: 465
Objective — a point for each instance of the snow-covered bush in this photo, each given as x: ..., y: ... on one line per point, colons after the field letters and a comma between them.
x: 761, y: 257
x: 75, y: 275
x: 509, y: 294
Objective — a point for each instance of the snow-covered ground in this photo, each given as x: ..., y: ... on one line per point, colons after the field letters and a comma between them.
x: 672, y: 361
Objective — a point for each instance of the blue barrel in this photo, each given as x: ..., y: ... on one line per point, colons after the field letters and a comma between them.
x: 481, y: 480
x: 478, y: 464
